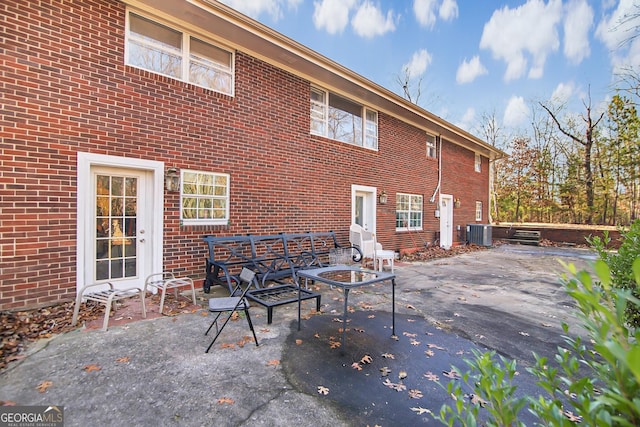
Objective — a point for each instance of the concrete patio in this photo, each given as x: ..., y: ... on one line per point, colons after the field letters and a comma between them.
x: 155, y: 371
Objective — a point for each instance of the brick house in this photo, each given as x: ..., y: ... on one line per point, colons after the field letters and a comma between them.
x: 107, y: 105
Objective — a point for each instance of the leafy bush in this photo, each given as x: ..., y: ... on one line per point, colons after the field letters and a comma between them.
x: 597, y: 384
x: 620, y: 264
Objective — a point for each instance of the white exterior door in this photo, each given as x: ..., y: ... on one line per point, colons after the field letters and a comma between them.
x: 119, y: 237
x: 446, y: 220
x: 363, y: 207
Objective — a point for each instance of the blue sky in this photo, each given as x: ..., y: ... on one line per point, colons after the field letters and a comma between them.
x: 473, y: 57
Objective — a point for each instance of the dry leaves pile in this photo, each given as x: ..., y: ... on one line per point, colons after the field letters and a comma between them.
x: 435, y: 252
x: 20, y: 327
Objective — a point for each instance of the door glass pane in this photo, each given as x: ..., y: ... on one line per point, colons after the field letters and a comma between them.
x: 116, y: 227
x: 360, y: 210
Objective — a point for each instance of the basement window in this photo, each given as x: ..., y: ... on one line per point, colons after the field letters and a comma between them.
x: 204, y: 198
x: 408, y: 212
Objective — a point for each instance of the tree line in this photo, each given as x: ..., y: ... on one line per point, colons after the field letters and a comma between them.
x: 582, y: 169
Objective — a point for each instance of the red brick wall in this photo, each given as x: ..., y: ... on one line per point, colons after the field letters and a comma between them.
x: 65, y: 89
x: 460, y: 179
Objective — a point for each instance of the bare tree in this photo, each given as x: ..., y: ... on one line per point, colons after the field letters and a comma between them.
x: 411, y: 87
x: 587, y: 143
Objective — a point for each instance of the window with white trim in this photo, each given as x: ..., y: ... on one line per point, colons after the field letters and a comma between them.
x: 164, y: 50
x: 204, y: 198
x: 478, y: 211
x: 431, y: 146
x: 342, y: 119
x: 477, y: 163
x: 408, y: 212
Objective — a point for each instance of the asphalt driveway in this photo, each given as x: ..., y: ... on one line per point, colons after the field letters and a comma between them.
x: 155, y: 372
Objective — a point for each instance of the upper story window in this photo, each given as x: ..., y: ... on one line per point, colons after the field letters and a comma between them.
x: 339, y: 118
x: 164, y: 50
x: 477, y: 163
x: 204, y: 198
x: 408, y: 212
x: 431, y: 146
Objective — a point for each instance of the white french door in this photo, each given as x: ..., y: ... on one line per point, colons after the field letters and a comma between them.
x: 118, y: 243
x: 119, y: 237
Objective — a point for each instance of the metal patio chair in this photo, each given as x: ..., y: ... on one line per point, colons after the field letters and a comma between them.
x: 165, y: 281
x: 232, y: 303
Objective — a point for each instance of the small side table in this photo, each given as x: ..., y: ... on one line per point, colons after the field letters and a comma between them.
x: 381, y: 256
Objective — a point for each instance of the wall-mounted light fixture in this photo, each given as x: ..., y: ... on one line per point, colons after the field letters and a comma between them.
x: 382, y: 198
x: 172, y: 180
x: 456, y: 203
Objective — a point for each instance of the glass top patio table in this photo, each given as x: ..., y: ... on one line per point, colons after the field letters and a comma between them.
x: 348, y: 277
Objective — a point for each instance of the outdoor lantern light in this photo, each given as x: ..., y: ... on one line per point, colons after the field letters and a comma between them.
x: 172, y: 180
x: 383, y: 198
x: 456, y: 203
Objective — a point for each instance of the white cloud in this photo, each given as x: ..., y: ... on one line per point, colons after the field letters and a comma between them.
x: 369, y: 21
x: 563, y: 92
x: 418, y: 63
x: 469, y: 70
x: 425, y: 12
x: 528, y: 29
x: 255, y: 8
x: 468, y: 119
x: 577, y: 26
x: 516, y: 113
x: 615, y: 32
x: 448, y: 10
x: 331, y: 15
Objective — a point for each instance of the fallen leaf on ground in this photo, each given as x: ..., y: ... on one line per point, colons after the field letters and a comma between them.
x: 227, y: 400
x: 402, y: 374
x: 388, y: 356
x: 475, y: 399
x: 356, y: 366
x: 431, y: 376
x: 274, y: 362
x: 451, y: 374
x: 43, y: 386
x: 323, y: 390
x: 415, y: 394
x: 124, y: 359
x: 91, y: 368
x: 366, y: 359
x: 421, y: 411
x: 298, y: 341
x: 384, y: 371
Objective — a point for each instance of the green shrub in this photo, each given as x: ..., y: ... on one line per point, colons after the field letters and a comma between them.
x: 620, y: 264
x: 597, y: 383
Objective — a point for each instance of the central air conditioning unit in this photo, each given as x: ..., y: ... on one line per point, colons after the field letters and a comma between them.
x: 479, y: 234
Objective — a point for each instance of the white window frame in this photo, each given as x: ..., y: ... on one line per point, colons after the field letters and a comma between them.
x: 478, y: 210
x: 432, y: 146
x: 477, y: 163
x: 208, y: 199
x: 413, y: 200
x: 187, y: 57
x: 319, y: 116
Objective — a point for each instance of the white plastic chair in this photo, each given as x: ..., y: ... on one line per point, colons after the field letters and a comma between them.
x: 165, y: 281
x: 365, y: 241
